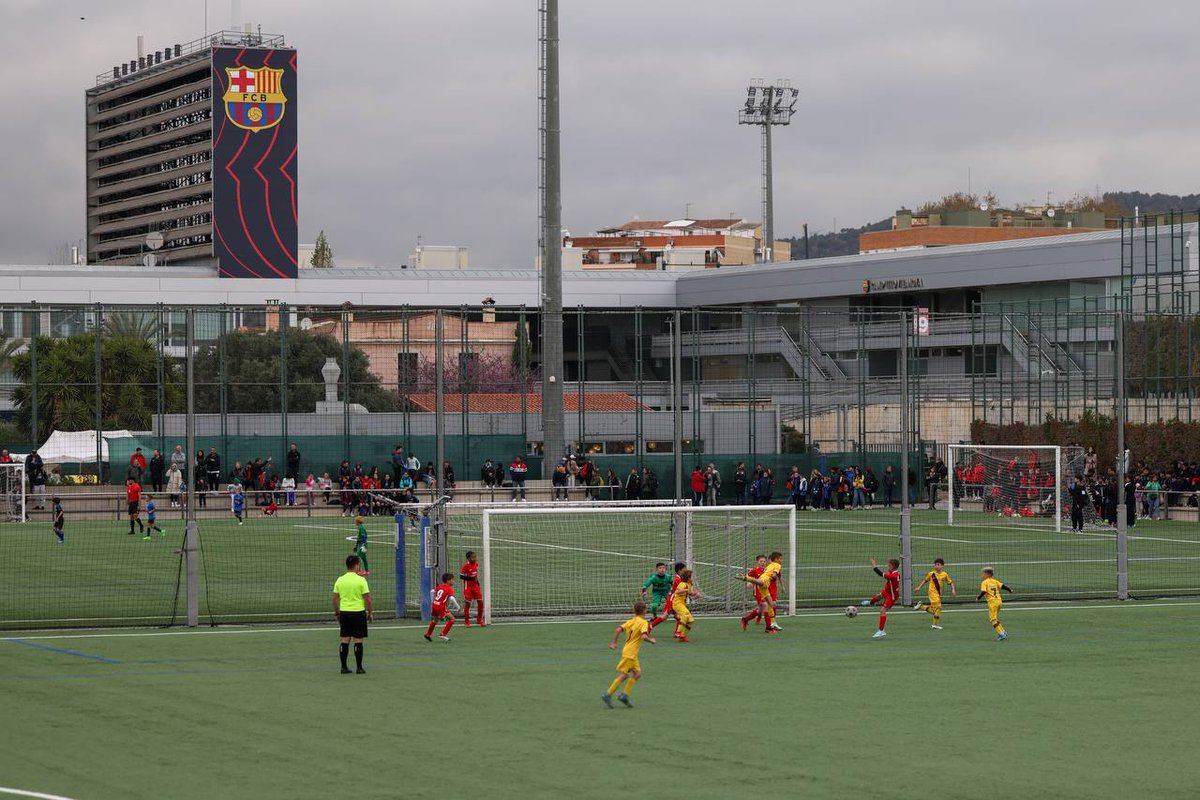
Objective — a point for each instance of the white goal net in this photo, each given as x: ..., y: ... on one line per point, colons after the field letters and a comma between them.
x: 1026, y: 484
x: 12, y: 492
x: 594, y: 560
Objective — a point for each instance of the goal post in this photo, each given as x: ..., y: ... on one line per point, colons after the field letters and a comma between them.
x: 13, y: 494
x: 592, y: 561
x: 1026, y: 482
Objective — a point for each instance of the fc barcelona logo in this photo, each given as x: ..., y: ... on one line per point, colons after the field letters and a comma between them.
x: 254, y: 99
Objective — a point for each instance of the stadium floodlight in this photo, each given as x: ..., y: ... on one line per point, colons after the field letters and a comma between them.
x: 767, y: 106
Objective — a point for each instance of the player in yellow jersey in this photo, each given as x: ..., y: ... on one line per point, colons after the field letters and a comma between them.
x: 636, y: 630
x: 938, y: 580
x: 990, y: 588
x: 769, y: 581
x: 683, y: 614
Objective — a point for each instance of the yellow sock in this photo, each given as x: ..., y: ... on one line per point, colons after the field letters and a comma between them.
x: 612, y: 687
x: 629, y: 684
x: 999, y: 628
x: 937, y: 618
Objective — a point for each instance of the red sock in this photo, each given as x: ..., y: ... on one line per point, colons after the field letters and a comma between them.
x: 431, y: 625
x: 467, y: 611
x: 479, y: 612
x: 749, y: 617
x: 449, y: 625
x: 882, y: 621
x: 655, y: 622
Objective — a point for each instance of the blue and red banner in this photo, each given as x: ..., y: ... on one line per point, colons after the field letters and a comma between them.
x: 254, y: 162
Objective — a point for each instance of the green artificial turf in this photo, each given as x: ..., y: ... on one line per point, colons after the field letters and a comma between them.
x: 1083, y: 701
x: 282, y: 568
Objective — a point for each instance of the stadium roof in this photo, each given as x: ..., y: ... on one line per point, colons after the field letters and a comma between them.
x: 1082, y: 256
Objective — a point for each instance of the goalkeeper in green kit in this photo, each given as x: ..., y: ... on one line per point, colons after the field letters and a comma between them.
x: 360, y: 546
x: 659, y: 584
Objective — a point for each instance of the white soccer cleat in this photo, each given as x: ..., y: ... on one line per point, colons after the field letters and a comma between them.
x: 936, y: 627
x: 775, y: 627
x: 444, y: 637
x: 879, y: 634
x: 917, y: 606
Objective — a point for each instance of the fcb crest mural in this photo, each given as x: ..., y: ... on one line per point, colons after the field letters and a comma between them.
x: 254, y: 162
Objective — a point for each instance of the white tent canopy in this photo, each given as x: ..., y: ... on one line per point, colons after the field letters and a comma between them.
x: 72, y: 447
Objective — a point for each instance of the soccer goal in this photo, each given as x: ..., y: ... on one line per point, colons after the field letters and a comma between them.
x: 593, y: 560
x: 12, y: 492
x: 1023, y: 483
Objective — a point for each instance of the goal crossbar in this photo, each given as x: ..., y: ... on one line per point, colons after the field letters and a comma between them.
x: 490, y: 513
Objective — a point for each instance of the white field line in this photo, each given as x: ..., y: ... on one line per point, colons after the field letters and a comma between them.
x: 27, y: 793
x: 325, y: 629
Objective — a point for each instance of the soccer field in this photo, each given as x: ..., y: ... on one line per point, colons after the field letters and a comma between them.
x: 1085, y: 700
x: 281, y: 569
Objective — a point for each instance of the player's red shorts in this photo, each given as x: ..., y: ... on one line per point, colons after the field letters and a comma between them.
x: 888, y: 602
x: 471, y: 591
x: 440, y: 610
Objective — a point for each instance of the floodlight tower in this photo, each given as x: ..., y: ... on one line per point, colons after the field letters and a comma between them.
x: 550, y: 243
x: 765, y: 107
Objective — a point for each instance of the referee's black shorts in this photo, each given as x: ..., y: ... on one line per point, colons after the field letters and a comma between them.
x: 354, y: 624
x: 133, y: 507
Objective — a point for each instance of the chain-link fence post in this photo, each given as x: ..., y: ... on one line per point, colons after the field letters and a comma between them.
x: 191, y: 533
x: 1123, y: 465
x: 905, y: 443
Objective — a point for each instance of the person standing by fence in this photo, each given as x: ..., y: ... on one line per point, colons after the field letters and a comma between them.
x: 293, y: 464
x: 633, y: 485
x: 158, y: 470
x: 518, y: 469
x: 740, y: 482
x: 889, y: 485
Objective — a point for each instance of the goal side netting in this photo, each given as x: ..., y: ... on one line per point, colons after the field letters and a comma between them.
x: 594, y: 561
x: 1026, y: 484
x: 12, y: 492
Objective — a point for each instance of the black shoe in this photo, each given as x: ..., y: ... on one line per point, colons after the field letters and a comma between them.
x: 428, y: 638
x: 360, y: 671
x: 345, y: 671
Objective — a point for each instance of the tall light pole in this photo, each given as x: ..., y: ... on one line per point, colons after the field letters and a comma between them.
x: 550, y: 244
x: 765, y: 107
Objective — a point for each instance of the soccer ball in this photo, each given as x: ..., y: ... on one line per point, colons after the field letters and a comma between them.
x: 851, y: 611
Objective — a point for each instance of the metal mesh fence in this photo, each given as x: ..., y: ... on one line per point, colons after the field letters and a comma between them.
x: 795, y: 405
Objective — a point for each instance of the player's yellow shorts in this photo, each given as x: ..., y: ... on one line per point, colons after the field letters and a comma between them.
x: 994, y: 610
x: 685, y: 616
x: 628, y: 665
x: 935, y: 602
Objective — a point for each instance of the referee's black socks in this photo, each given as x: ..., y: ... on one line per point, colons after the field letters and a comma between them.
x: 345, y: 651
x: 358, y: 654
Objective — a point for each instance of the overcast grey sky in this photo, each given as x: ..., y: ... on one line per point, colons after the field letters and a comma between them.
x: 419, y: 117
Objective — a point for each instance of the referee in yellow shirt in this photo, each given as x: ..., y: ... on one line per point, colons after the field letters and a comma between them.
x: 352, y: 609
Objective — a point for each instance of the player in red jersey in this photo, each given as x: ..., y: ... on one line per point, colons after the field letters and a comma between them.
x: 443, y: 598
x: 889, y: 594
x: 760, y: 600
x: 669, y: 606
x: 133, y: 498
x: 469, y: 572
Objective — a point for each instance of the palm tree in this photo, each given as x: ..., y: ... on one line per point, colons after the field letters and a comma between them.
x: 143, y: 325
x: 9, y: 347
